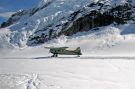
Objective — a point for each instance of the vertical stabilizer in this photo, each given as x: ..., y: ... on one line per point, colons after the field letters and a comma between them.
x: 78, y: 50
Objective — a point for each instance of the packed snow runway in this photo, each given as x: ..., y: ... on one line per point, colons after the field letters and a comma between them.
x: 67, y: 74
x: 73, y: 57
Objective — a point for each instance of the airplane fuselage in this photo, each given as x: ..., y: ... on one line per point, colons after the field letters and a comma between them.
x: 64, y: 52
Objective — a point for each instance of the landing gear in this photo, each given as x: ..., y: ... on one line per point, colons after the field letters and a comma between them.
x: 54, y: 55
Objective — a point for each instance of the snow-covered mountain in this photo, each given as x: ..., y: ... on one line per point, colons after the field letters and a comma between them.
x: 53, y: 18
x: 103, y: 29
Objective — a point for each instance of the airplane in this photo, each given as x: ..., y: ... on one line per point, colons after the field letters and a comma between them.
x: 63, y: 51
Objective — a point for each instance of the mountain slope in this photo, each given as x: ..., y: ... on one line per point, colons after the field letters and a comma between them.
x: 53, y: 18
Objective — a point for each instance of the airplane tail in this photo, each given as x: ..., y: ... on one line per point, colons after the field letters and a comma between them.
x: 78, y: 50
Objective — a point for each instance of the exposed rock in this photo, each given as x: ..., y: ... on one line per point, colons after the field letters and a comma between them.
x: 119, y: 14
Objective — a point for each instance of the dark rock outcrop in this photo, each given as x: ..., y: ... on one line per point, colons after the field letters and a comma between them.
x: 119, y: 15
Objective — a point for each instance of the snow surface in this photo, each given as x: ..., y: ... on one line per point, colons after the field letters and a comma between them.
x: 67, y: 74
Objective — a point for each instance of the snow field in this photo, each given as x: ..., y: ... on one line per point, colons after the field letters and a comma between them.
x: 65, y: 74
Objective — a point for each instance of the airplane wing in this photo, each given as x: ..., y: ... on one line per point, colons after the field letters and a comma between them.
x: 64, y: 47
x: 56, y: 47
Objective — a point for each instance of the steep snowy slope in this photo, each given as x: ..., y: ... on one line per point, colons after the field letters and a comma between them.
x: 53, y: 18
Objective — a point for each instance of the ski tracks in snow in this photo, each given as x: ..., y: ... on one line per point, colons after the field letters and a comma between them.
x: 26, y: 81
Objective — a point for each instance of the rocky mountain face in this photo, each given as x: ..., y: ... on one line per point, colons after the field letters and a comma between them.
x: 120, y: 14
x: 67, y: 17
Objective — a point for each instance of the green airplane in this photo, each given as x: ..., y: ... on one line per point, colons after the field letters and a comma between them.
x: 63, y: 51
